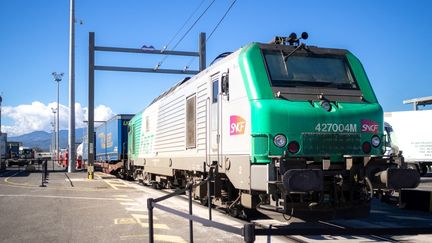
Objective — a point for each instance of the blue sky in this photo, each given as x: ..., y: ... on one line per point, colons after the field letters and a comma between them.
x: 391, y: 38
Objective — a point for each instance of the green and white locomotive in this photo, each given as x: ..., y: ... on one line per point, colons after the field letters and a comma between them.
x: 287, y: 126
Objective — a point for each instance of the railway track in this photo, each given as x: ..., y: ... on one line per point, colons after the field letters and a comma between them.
x: 332, y: 238
x: 265, y: 220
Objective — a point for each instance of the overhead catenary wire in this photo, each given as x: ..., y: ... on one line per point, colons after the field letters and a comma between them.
x: 184, y: 24
x: 220, y: 21
x: 185, y: 34
x: 211, y: 33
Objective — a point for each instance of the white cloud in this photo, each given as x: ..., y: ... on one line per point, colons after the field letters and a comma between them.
x: 38, y: 117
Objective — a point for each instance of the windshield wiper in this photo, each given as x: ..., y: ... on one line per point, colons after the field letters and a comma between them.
x: 301, y: 46
x: 284, y: 62
x: 285, y: 58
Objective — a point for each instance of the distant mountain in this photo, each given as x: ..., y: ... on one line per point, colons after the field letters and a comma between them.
x: 43, y: 140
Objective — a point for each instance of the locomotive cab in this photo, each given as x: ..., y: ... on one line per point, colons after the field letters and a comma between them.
x: 317, y: 131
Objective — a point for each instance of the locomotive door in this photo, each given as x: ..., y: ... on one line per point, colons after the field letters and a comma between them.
x: 214, y: 118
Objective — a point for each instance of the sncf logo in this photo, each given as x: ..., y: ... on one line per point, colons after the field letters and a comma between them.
x: 237, y: 125
x: 369, y: 126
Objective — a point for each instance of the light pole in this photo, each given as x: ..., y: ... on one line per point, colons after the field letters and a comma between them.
x: 53, y: 143
x: 53, y: 123
x: 57, y: 77
x: 71, y: 124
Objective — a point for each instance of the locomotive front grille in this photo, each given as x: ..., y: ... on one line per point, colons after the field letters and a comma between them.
x: 327, y: 144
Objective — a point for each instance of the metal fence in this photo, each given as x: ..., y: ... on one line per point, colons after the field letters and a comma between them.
x: 249, y: 231
x: 153, y: 203
x: 44, y: 173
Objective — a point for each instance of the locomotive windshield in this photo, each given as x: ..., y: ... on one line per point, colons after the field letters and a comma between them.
x: 309, y: 70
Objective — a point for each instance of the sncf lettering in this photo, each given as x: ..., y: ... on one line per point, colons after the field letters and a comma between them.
x: 237, y: 125
x: 368, y: 126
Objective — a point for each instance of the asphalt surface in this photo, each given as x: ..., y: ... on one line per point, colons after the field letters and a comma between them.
x: 71, y: 208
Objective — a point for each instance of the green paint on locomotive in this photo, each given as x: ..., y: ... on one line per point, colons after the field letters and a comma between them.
x: 134, y: 132
x: 298, y: 120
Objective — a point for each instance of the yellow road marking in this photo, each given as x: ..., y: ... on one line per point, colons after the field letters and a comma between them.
x: 156, y: 226
x: 113, y: 180
x: 98, y: 175
x: 139, y: 217
x: 119, y: 196
x: 111, y: 185
x: 110, y: 182
x: 116, y: 186
x: 119, y: 183
x: 13, y: 183
x: 125, y: 221
x: 79, y: 179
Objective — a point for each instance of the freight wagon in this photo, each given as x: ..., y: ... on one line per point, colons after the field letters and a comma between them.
x: 111, y: 143
x: 286, y: 126
x: 13, y: 150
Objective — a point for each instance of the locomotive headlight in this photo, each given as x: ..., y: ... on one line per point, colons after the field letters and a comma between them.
x: 375, y: 141
x: 280, y: 140
x: 326, y: 105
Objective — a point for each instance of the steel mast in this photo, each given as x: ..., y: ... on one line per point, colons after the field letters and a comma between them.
x: 71, y: 137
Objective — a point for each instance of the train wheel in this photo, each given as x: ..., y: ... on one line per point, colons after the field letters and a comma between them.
x: 162, y: 185
x: 249, y: 213
x: 154, y: 185
x: 204, y: 201
x: 234, y: 211
x: 135, y: 175
x: 146, y: 178
x: 414, y: 167
x: 423, y: 169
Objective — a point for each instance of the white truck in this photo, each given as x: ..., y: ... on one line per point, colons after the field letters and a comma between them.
x: 40, y: 157
x: 411, y: 133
